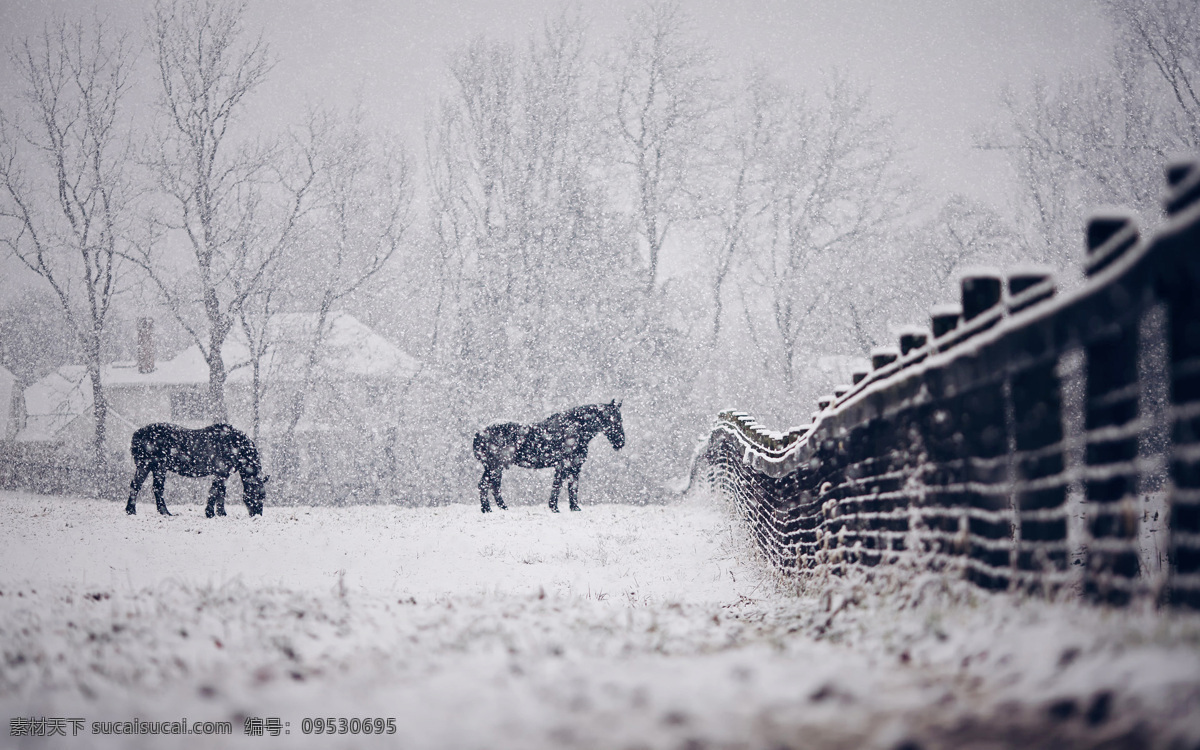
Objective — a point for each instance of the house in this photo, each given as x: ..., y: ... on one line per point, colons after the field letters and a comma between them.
x: 12, y: 405
x: 354, y: 384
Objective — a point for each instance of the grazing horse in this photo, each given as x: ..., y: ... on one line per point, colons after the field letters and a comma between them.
x: 560, y: 441
x: 215, y: 450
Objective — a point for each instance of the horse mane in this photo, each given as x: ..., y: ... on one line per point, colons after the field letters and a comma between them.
x: 586, y: 410
x: 250, y: 462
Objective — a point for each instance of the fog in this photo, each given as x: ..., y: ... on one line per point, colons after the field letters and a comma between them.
x: 523, y: 207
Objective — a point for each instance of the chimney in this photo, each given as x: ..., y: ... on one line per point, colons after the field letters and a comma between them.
x: 145, y: 356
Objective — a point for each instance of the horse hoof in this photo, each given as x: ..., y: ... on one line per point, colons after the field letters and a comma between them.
x: 554, y: 510
x: 502, y: 506
x: 131, y: 511
x: 164, y: 511
x: 485, y: 509
x: 220, y: 512
x: 576, y: 507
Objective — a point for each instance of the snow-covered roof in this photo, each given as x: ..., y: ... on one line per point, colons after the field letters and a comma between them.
x: 350, y: 348
x: 186, y: 368
x: 54, y: 402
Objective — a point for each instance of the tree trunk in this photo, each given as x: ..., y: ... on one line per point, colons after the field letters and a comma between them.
x: 256, y: 395
x: 287, y: 443
x: 100, y: 413
x: 216, y: 377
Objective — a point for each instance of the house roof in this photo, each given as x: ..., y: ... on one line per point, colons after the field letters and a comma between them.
x: 54, y: 402
x: 350, y: 349
x: 186, y: 368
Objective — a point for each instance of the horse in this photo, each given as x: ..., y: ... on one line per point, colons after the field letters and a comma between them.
x: 560, y: 441
x: 214, y: 450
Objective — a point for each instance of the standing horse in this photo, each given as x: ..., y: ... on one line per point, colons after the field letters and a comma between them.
x: 215, y: 450
x: 560, y: 441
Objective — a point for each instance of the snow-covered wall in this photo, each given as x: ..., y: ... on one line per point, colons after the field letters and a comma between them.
x: 977, y: 446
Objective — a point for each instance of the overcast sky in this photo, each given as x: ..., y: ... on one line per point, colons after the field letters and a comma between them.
x: 938, y: 64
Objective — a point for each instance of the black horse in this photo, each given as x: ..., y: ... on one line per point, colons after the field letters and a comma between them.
x: 215, y: 450
x: 560, y: 441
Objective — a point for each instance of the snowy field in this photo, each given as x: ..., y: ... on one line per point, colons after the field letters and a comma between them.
x: 618, y: 627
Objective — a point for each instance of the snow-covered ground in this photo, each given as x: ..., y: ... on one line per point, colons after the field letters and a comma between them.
x: 617, y: 627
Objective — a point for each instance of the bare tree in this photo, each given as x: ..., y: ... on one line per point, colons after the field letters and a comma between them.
x: 519, y: 217
x: 229, y: 201
x: 31, y: 340
x: 1164, y: 36
x: 64, y: 167
x: 835, y: 193
x: 662, y: 107
x: 254, y: 316
x: 738, y: 192
x: 361, y: 213
x: 1102, y: 137
x: 544, y: 302
x: 963, y: 231
x: 1086, y: 141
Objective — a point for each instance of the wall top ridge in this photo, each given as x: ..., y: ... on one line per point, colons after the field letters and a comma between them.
x: 1132, y: 262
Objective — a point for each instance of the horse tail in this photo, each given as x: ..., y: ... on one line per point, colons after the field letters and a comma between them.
x: 477, y: 447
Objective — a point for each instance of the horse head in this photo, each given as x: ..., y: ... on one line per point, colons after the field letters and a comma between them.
x: 611, y: 421
x: 254, y: 492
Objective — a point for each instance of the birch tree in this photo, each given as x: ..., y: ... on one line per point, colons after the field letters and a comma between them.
x: 65, y: 184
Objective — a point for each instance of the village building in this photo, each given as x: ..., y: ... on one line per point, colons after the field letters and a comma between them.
x: 12, y: 405
x: 351, y: 392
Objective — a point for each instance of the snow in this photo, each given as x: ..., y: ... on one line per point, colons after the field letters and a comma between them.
x: 945, y: 308
x: 620, y: 626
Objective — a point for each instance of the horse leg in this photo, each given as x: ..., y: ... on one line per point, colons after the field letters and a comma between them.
x: 485, y: 483
x: 573, y: 488
x: 160, y: 483
x: 139, y: 476
x: 558, y: 479
x: 499, y: 475
x: 491, y: 481
x: 216, y: 498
